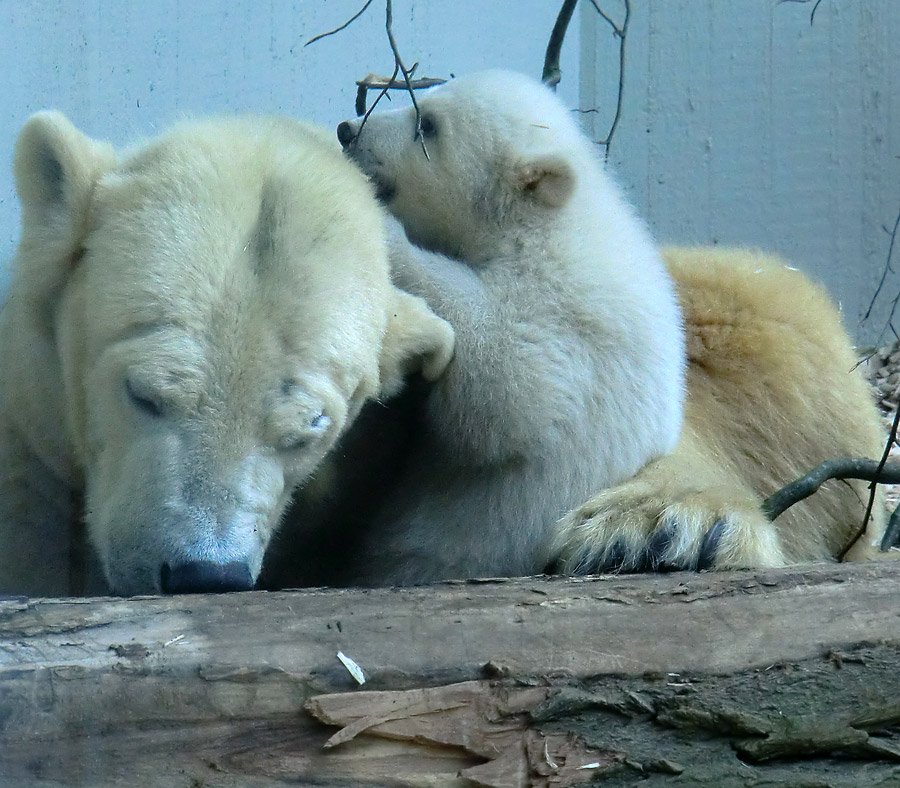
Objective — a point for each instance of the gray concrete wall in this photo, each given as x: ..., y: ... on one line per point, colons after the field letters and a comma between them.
x: 742, y: 124
x: 745, y: 124
x: 125, y: 69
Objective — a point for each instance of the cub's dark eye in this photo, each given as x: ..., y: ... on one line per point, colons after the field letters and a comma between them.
x: 427, y: 126
x: 143, y: 402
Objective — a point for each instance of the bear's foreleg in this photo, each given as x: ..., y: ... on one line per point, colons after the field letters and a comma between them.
x: 681, y: 511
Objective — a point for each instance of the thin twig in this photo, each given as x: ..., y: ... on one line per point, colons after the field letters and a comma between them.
x: 552, y: 72
x: 622, y: 34
x: 381, y: 94
x: 865, y: 359
x: 551, y: 61
x: 399, y: 68
x: 884, y: 273
x: 398, y: 63
x: 889, y: 324
x: 608, y: 18
x: 344, y: 26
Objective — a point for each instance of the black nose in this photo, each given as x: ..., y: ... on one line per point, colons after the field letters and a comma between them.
x: 346, y: 133
x: 205, y: 577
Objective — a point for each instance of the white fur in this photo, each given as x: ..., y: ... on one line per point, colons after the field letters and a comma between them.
x: 569, y: 368
x: 189, y: 330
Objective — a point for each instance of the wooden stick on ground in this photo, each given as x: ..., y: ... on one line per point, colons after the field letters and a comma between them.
x: 777, y: 678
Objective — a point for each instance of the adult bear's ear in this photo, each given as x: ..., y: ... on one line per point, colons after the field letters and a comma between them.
x: 547, y: 178
x: 56, y: 168
x: 416, y: 340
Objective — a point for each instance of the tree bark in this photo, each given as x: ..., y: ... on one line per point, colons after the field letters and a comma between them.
x: 782, y: 679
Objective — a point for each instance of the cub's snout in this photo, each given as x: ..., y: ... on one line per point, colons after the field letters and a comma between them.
x: 346, y: 133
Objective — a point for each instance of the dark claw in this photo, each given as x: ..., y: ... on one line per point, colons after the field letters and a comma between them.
x: 591, y: 564
x: 614, y: 560
x: 651, y: 559
x: 710, y: 545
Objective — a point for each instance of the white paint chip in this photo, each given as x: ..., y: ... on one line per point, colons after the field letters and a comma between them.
x: 355, y: 670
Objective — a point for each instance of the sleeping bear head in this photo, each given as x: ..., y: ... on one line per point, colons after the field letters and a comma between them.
x: 216, y: 308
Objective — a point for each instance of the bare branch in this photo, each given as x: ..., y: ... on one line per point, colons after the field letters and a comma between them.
x: 884, y: 273
x: 552, y: 72
x: 842, y: 468
x: 616, y: 29
x: 886, y: 543
x: 812, y: 16
x: 344, y: 26
x: 621, y: 33
x: 385, y: 84
x: 377, y: 82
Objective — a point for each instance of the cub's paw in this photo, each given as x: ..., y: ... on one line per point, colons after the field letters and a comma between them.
x: 635, y: 528
x: 416, y: 340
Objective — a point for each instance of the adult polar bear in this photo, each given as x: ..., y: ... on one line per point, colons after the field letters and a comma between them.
x: 569, y: 375
x: 188, y: 332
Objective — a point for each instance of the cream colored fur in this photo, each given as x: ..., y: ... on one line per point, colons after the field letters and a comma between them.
x: 190, y: 328
x: 772, y: 392
x: 569, y: 363
x: 567, y: 384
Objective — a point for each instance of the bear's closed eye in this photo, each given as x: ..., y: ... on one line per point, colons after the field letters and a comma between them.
x: 428, y: 126
x: 143, y: 401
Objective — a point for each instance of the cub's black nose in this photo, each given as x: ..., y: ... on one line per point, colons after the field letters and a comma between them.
x: 205, y: 577
x: 346, y: 133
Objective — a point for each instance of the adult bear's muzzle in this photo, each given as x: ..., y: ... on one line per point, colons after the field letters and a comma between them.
x: 205, y: 577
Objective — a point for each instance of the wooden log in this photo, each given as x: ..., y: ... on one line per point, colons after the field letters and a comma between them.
x: 766, y: 678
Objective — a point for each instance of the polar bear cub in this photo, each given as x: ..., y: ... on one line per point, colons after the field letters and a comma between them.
x: 569, y: 367
x: 568, y: 383
x: 190, y: 328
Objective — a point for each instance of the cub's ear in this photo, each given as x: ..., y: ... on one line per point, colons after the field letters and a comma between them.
x: 56, y: 167
x: 548, y: 179
x: 416, y: 340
